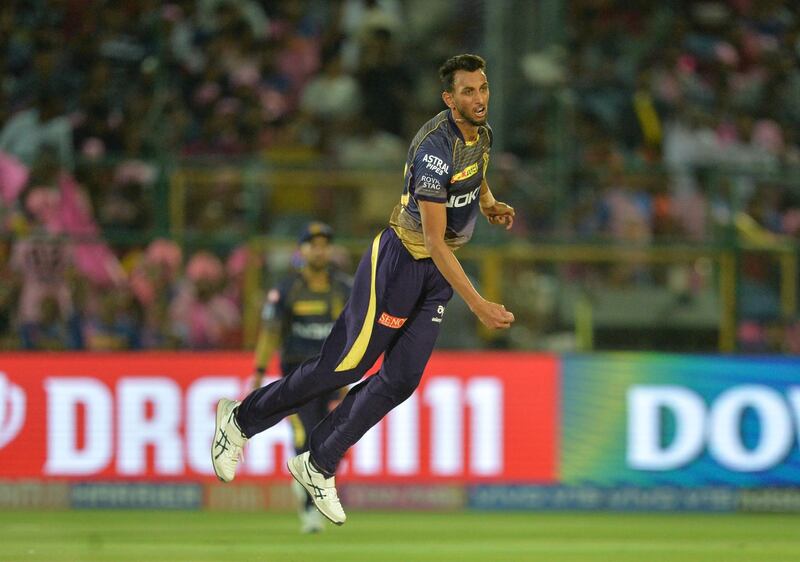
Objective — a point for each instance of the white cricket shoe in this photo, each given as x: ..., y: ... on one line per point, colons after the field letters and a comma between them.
x: 226, y: 448
x: 311, y: 521
x: 322, y: 490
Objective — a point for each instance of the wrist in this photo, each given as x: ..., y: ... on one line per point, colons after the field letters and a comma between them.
x: 475, y: 302
x: 487, y: 200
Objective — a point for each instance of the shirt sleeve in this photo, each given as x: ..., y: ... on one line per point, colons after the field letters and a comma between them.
x: 433, y: 168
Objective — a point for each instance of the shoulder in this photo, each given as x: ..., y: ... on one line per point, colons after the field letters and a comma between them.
x: 434, y: 135
x: 489, y: 133
x: 289, y: 284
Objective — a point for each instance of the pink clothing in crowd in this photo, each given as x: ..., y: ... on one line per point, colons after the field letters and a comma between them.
x: 42, y: 262
x: 202, y: 316
x: 13, y: 177
x: 93, y: 257
x: 203, y: 324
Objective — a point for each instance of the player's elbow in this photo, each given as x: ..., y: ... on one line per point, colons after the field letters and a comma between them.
x: 434, y: 244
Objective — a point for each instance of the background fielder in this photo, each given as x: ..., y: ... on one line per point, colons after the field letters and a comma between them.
x: 297, y: 317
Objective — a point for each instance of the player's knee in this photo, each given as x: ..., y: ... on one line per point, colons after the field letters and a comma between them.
x: 404, y: 387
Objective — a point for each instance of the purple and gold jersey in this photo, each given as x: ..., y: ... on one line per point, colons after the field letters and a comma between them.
x: 444, y: 168
x: 304, y: 314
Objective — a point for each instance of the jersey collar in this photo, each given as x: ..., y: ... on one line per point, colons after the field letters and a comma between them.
x: 458, y: 132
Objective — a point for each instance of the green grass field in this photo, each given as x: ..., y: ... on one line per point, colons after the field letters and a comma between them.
x: 150, y: 536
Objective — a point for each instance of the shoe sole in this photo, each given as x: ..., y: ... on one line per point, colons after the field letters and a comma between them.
x: 296, y: 477
x: 217, y: 424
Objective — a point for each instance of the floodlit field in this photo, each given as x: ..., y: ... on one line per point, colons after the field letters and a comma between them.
x: 148, y: 536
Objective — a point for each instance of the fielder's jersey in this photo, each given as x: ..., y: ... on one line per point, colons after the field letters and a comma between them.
x: 305, y: 314
x: 444, y: 168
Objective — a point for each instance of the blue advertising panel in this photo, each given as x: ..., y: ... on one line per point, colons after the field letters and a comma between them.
x: 636, y: 419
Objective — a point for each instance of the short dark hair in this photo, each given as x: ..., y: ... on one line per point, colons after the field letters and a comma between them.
x: 467, y: 62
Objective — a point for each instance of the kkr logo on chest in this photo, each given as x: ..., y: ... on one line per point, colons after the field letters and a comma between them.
x: 467, y: 172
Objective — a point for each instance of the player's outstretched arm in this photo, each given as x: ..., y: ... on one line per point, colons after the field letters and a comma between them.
x: 434, y: 221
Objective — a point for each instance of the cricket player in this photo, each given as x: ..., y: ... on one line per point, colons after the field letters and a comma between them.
x: 400, y: 291
x: 297, y: 317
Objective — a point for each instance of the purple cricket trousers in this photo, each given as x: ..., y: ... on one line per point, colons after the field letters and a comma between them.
x: 395, y: 307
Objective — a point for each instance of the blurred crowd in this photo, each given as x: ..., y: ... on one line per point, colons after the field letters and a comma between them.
x: 683, y: 127
x: 95, y: 93
x: 703, y: 92
x: 668, y: 122
x: 227, y: 77
x: 60, y: 293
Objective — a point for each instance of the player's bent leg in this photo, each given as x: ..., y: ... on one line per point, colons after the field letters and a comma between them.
x: 368, y: 402
x: 346, y: 354
x: 226, y: 448
x: 266, y: 406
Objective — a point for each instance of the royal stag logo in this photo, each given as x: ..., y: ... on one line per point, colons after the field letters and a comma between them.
x: 12, y: 410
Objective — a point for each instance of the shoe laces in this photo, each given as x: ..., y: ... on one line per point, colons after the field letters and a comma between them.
x: 330, y: 489
x: 224, y: 443
x: 328, y: 484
